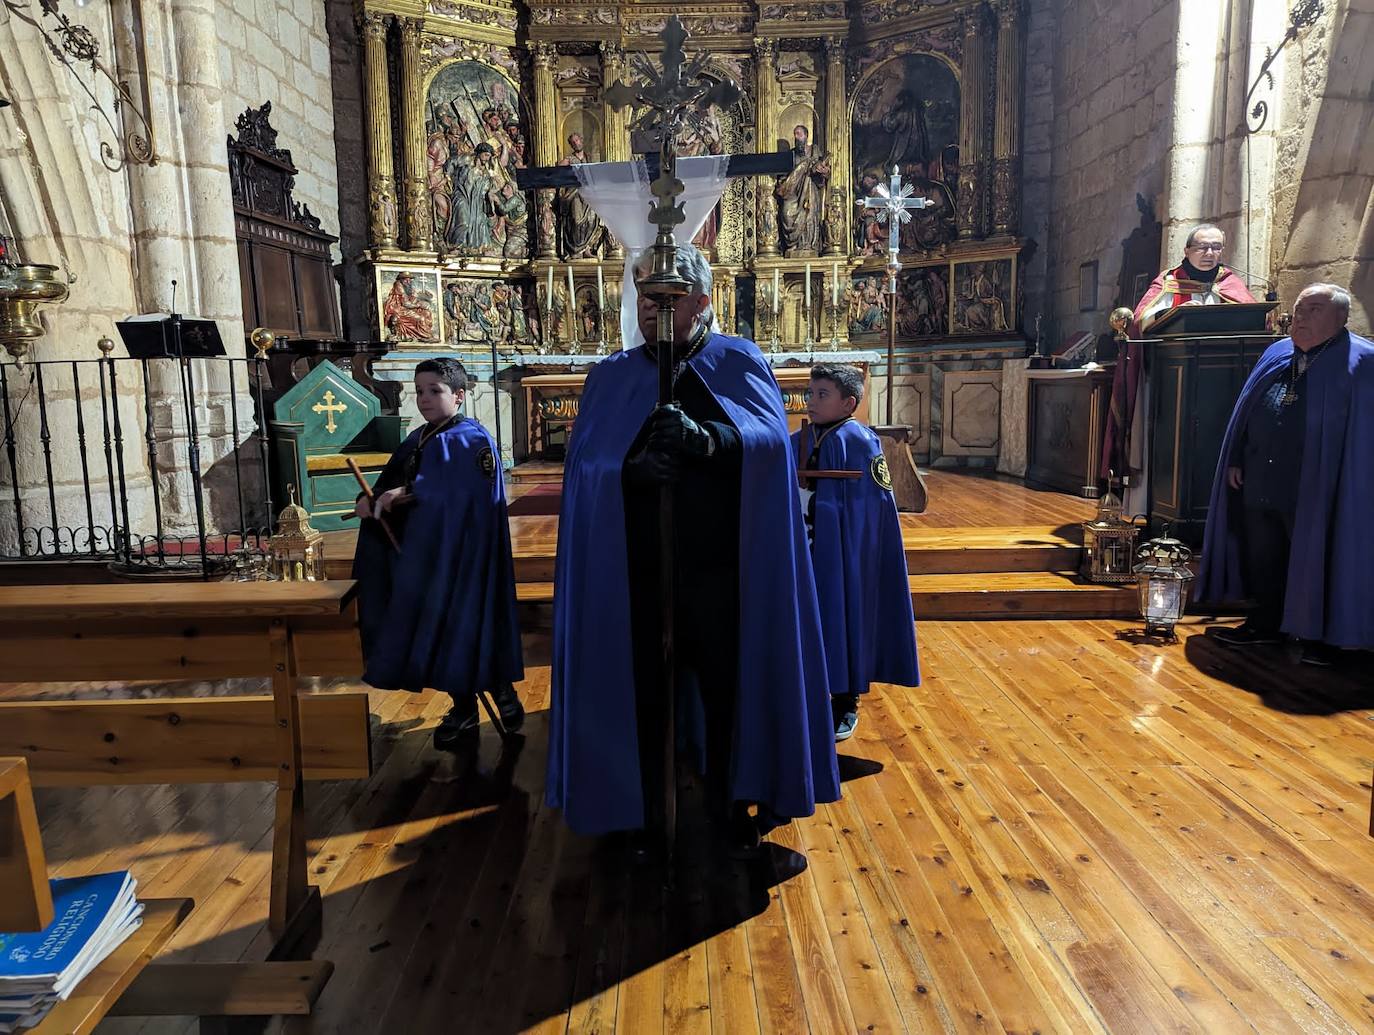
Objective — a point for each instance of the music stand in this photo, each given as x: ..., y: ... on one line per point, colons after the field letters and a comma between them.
x: 172, y: 336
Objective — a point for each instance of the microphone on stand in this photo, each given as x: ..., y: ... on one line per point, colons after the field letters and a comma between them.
x: 1270, y: 295
x: 174, y: 296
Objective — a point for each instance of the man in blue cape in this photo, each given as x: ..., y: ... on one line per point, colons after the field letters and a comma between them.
x: 752, y: 668
x: 856, y: 547
x: 437, y: 608
x: 1288, y: 523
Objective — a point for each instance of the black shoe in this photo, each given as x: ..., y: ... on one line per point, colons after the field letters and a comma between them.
x: 742, y: 840
x: 510, y: 709
x: 844, y: 709
x: 1247, y: 635
x: 1321, y: 655
x: 458, y: 729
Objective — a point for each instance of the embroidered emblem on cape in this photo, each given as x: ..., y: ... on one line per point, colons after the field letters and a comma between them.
x: 879, y: 472
x: 486, y: 462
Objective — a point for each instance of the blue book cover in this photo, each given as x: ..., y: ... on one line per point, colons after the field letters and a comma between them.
x: 83, y: 909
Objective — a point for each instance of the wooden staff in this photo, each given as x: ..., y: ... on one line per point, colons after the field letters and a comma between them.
x: 805, y: 475
x: 367, y: 492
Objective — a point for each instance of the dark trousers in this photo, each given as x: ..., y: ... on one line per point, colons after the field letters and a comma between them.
x: 1268, y: 541
x: 706, y: 647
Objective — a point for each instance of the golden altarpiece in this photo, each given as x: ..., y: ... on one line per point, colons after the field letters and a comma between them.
x: 462, y: 93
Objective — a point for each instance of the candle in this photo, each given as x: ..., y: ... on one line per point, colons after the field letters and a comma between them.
x: 600, y: 289
x: 570, y: 290
x: 548, y: 294
x: 776, y: 291
x: 835, y: 284
x: 807, y: 293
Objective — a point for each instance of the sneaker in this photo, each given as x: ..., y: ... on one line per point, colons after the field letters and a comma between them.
x: 1321, y: 655
x: 510, y: 709
x: 459, y: 728
x: 845, y: 711
x: 1247, y: 635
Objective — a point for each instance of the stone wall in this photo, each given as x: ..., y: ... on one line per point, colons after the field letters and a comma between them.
x: 1112, y: 97
x: 1324, y: 183
x: 1037, y: 184
x: 350, y: 156
x: 278, y: 51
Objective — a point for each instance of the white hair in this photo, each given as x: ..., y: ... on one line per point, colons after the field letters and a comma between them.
x: 1339, y: 296
x: 692, y: 267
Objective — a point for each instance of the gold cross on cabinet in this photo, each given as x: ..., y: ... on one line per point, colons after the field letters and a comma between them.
x: 329, y: 407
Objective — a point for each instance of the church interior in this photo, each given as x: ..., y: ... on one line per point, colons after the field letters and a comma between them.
x: 231, y: 229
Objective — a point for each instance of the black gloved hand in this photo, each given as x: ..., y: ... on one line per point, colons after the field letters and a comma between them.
x: 651, y: 467
x: 673, y: 432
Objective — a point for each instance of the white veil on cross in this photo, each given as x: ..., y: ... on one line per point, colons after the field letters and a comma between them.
x: 619, y: 192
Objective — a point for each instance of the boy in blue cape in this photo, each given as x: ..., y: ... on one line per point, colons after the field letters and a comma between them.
x: 1288, y: 522
x: 856, y: 547
x: 751, y: 666
x: 439, y: 612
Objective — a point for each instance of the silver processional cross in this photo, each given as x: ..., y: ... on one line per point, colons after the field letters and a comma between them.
x: 894, y: 204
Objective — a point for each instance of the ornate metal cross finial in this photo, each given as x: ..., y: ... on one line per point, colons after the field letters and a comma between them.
x: 670, y: 98
x: 894, y: 203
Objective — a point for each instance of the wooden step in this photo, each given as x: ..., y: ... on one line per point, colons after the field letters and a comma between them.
x: 1014, y: 548
x: 1018, y: 595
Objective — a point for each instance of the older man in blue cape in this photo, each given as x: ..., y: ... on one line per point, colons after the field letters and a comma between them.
x: 1288, y: 524
x: 856, y: 546
x: 752, y: 668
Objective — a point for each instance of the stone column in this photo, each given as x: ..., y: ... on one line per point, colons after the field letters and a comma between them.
x: 381, y: 180
x: 972, y: 74
x: 545, y: 142
x: 766, y: 137
x: 1006, y: 181
x: 837, y: 143
x: 419, y: 216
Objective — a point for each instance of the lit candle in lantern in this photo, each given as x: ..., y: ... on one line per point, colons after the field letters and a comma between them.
x: 777, y: 291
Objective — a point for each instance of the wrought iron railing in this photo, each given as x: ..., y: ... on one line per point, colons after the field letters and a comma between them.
x: 134, y: 495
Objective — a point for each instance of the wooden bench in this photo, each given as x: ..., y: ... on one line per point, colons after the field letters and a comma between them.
x: 26, y: 905
x: 277, y: 630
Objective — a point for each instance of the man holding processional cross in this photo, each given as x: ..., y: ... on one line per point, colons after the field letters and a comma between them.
x: 685, y: 608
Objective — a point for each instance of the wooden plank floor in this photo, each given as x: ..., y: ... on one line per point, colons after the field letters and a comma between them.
x: 1062, y: 830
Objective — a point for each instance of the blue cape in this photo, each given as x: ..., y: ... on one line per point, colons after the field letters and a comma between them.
x: 1330, y: 595
x: 785, y: 743
x: 441, y: 613
x: 861, y: 576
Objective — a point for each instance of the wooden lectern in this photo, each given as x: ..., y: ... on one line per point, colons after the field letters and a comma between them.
x: 1197, y: 362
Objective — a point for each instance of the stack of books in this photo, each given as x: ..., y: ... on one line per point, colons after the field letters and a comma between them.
x: 91, y: 917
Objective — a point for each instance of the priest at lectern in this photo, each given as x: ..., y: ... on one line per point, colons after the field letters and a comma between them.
x: 1200, y: 279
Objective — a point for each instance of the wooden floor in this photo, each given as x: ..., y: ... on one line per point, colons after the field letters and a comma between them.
x: 1062, y: 830
x: 1065, y: 829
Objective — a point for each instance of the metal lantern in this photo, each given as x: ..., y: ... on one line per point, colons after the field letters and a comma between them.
x: 1163, y: 576
x: 296, y: 549
x: 1109, y: 542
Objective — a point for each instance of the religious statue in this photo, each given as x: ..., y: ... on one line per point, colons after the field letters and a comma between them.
x: 906, y: 121
x: 803, y: 197
x: 449, y: 139
x: 869, y: 236
x: 704, y: 137
x: 406, y: 314
x: 470, y: 223
x: 512, y: 223
x: 580, y: 230
x: 867, y: 307
x: 924, y: 303
x: 982, y: 308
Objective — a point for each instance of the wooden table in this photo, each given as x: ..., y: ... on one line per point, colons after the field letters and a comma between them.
x: 279, y: 630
